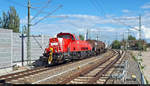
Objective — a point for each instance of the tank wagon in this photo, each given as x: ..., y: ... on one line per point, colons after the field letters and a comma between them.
x: 67, y: 47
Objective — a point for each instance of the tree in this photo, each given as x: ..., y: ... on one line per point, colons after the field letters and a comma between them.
x: 116, y: 44
x: 81, y: 37
x: 131, y: 37
x: 4, y: 21
x: 148, y: 44
x: 10, y: 20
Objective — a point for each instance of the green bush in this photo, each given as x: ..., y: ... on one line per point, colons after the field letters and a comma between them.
x: 130, y: 37
x: 116, y: 44
x: 81, y: 37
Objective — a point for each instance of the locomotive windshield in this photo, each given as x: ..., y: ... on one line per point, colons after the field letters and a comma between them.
x: 64, y: 36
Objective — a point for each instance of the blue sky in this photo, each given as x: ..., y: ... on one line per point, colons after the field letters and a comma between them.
x: 99, y: 16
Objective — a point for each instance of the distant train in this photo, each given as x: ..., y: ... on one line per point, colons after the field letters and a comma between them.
x: 68, y: 47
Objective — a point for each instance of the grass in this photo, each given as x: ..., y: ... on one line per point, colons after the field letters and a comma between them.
x: 141, y: 60
x: 142, y: 67
x: 146, y: 81
x: 134, y: 58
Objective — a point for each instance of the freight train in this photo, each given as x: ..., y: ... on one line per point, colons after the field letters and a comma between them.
x: 68, y: 47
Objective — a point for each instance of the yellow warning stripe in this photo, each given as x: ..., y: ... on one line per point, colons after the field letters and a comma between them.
x: 50, y: 56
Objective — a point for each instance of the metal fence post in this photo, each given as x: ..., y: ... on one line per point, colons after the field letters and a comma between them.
x: 42, y: 38
x: 11, y: 48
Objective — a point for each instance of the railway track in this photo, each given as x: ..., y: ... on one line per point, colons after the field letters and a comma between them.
x: 93, y: 73
x: 109, y: 79
x: 83, y: 76
x: 15, y: 76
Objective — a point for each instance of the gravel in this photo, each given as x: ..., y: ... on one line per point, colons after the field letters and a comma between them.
x: 132, y: 69
x: 57, y: 70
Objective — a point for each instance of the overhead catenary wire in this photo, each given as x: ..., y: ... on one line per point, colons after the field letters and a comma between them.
x: 47, y: 15
x: 19, y: 4
x: 98, y: 4
x: 39, y: 3
x: 24, y: 6
x: 38, y: 43
x: 16, y: 3
x: 29, y: 24
x: 39, y: 12
x: 95, y: 5
x: 125, y: 24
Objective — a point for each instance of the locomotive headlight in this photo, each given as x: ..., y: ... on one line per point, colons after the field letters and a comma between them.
x: 51, y: 50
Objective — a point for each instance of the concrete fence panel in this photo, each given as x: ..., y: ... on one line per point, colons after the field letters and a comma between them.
x: 11, y: 47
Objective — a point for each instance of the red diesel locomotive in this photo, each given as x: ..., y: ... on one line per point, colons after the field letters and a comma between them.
x: 67, y: 47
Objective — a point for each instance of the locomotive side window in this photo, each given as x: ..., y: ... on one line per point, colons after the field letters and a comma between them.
x: 72, y: 38
x: 66, y: 36
x: 76, y: 37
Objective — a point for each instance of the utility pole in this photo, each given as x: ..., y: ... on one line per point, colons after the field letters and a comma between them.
x: 89, y: 34
x: 123, y: 42
x: 28, y: 36
x: 127, y: 45
x: 29, y: 24
x: 116, y: 36
x: 97, y: 37
x: 108, y: 43
x: 140, y: 47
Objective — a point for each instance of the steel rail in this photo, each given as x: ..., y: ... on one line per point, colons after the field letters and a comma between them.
x: 114, y: 69
x: 87, y: 69
x: 14, y: 76
x: 104, y: 70
x: 17, y: 73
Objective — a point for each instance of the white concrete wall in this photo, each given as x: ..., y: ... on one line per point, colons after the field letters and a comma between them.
x: 10, y: 47
x: 5, y: 48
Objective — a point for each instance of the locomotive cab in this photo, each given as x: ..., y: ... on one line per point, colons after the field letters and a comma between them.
x: 66, y: 36
x: 58, y: 47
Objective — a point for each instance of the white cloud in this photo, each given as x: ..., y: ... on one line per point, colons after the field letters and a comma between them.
x: 146, y: 32
x: 80, y: 16
x: 106, y: 29
x: 125, y: 11
x: 146, y: 6
x: 78, y: 23
x: 24, y: 20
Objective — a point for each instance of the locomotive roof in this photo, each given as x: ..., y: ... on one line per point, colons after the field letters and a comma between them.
x: 62, y: 33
